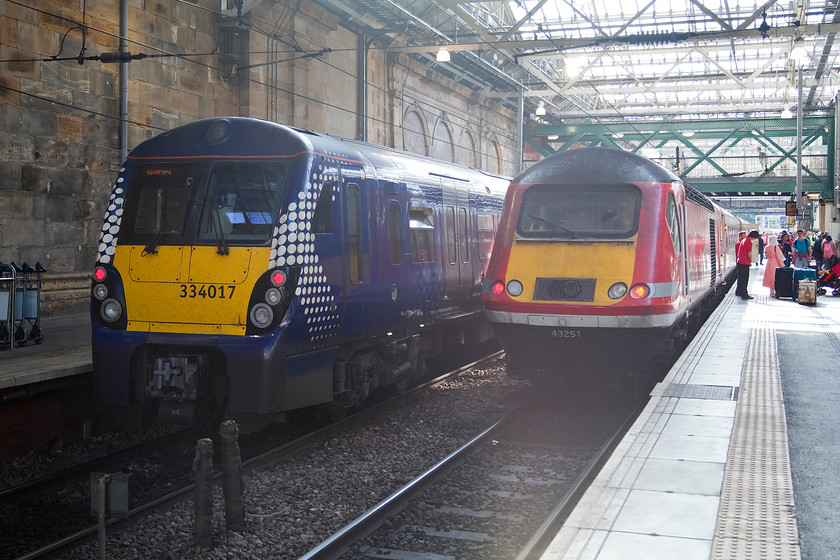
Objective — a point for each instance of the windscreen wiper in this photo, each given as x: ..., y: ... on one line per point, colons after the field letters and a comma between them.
x: 555, y: 226
x: 221, y: 243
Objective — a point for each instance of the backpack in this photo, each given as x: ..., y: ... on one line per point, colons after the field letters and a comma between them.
x: 817, y: 251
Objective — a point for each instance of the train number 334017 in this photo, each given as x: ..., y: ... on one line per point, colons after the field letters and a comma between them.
x: 206, y: 291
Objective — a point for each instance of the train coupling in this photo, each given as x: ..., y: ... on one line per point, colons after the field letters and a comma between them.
x: 173, y: 378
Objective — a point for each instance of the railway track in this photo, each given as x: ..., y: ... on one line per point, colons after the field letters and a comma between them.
x: 254, y: 459
x: 502, y: 495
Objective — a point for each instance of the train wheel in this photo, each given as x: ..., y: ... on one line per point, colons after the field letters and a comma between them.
x: 331, y: 412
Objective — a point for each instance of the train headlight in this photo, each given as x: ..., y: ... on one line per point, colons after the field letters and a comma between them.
x: 217, y: 131
x: 100, y: 291
x: 110, y: 311
x: 514, y: 288
x: 617, y: 290
x: 497, y: 288
x: 273, y: 296
x: 640, y: 291
x: 261, y: 315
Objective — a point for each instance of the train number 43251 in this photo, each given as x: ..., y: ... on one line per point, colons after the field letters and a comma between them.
x: 210, y: 291
x: 562, y: 333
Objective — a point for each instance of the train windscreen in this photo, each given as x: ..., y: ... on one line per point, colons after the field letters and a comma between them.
x: 578, y: 212
x: 181, y: 203
x: 240, y: 203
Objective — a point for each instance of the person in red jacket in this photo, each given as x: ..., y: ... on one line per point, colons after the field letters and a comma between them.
x: 744, y: 248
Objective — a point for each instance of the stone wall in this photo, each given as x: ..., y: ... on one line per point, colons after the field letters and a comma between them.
x: 59, y: 119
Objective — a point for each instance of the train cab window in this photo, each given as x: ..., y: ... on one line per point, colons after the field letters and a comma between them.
x: 572, y: 212
x: 673, y: 221
x: 449, y: 225
x: 322, y: 218
x: 421, y: 224
x: 354, y: 232
x: 486, y: 235
x: 240, y: 203
x: 158, y: 202
x: 463, y: 235
x: 394, y: 232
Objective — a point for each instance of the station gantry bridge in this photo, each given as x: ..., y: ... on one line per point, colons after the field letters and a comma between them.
x: 726, y: 158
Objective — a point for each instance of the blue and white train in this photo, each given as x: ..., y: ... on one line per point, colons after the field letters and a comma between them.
x: 247, y: 269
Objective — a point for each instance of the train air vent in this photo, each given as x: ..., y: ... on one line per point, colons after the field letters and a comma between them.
x: 564, y: 289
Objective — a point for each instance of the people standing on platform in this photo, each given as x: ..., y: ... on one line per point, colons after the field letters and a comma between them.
x: 801, y: 250
x: 784, y: 242
x: 827, y: 248
x: 743, y: 264
x: 816, y: 250
x: 775, y: 259
x: 761, y: 246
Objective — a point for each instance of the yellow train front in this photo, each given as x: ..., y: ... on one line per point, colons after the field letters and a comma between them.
x: 600, y: 257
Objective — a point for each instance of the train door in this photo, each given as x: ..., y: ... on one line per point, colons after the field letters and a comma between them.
x: 358, y: 210
x: 675, y: 218
x: 456, y: 258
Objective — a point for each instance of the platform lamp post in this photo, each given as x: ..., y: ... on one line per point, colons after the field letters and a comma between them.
x: 799, y: 55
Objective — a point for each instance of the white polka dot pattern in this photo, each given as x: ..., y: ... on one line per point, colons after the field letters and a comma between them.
x: 111, y: 225
x: 293, y: 244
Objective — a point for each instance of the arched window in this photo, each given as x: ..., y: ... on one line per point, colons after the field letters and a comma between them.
x: 494, y: 157
x: 442, y: 147
x: 467, y: 154
x: 414, y: 133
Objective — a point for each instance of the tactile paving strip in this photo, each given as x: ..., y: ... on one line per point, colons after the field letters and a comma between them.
x: 757, y: 513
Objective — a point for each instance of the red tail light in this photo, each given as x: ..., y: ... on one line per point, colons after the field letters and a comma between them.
x: 639, y: 291
x: 498, y: 288
x: 278, y: 278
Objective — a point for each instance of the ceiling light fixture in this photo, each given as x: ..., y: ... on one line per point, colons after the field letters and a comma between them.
x: 540, y: 112
x: 799, y: 53
x: 443, y: 55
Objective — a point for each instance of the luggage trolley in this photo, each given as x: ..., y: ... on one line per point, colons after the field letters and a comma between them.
x: 27, y: 304
x: 8, y: 282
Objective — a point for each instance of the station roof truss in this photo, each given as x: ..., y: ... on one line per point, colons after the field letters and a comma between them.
x: 618, y: 64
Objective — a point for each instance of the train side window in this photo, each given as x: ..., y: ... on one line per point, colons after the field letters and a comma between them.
x: 421, y: 223
x: 673, y: 221
x: 486, y: 235
x: 394, y: 232
x: 449, y: 226
x: 322, y: 218
x: 463, y: 235
x: 354, y: 233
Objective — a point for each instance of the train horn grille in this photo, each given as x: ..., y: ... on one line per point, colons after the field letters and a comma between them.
x: 564, y: 289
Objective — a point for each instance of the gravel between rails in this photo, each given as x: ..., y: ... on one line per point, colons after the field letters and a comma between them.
x: 292, y: 506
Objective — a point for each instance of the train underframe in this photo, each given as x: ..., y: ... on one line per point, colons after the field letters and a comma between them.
x: 191, y: 384
x: 602, y: 356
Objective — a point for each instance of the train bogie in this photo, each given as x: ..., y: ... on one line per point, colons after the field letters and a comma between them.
x: 250, y: 269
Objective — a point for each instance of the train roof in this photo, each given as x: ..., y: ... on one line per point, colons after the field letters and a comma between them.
x: 596, y: 166
x: 243, y: 136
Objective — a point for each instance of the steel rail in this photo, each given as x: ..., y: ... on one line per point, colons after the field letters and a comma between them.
x: 61, y: 546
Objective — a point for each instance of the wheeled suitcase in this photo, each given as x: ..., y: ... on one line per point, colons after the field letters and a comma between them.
x: 807, y: 292
x: 783, y: 283
x: 800, y: 274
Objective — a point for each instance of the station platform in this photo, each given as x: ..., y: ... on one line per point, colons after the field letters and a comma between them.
x: 736, y: 455
x: 64, y: 351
